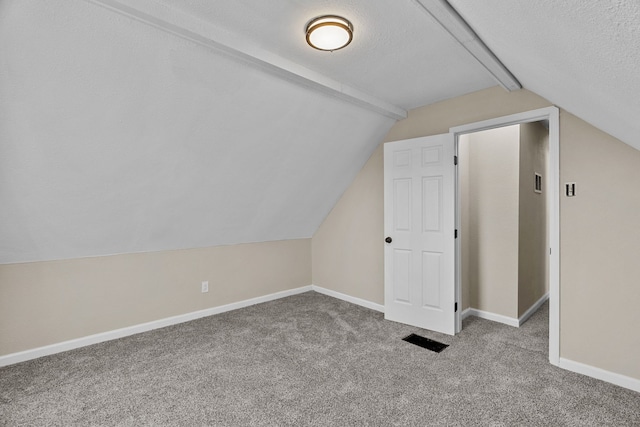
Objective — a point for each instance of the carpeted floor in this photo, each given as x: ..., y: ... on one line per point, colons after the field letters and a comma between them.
x: 310, y: 359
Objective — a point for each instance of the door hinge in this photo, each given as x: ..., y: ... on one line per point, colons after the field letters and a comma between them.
x: 455, y: 308
x: 455, y: 160
x: 455, y: 234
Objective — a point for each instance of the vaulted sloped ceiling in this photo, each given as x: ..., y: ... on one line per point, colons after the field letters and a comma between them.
x: 143, y: 125
x: 119, y: 134
x: 399, y: 53
x: 583, y: 55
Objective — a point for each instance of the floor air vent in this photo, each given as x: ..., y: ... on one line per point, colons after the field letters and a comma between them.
x: 425, y: 343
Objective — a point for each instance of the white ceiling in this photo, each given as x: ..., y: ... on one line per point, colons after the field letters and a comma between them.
x: 164, y: 124
x: 398, y: 53
x: 117, y: 137
x: 581, y: 55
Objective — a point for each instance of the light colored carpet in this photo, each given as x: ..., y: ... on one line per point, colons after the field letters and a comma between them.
x: 310, y: 359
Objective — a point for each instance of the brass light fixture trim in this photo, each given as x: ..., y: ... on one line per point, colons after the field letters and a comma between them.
x: 329, y: 32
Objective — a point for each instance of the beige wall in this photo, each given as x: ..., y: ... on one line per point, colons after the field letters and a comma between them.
x: 47, y: 302
x: 491, y: 219
x: 482, y: 105
x: 357, y: 218
x: 600, y: 249
x: 347, y: 249
x: 503, y: 221
x: 533, y: 265
x: 43, y: 303
x: 599, y: 233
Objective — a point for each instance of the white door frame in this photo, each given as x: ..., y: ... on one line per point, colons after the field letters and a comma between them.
x: 552, y: 114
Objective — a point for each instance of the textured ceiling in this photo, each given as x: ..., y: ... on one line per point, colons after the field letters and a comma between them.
x: 120, y: 134
x: 117, y: 137
x: 581, y: 55
x: 398, y: 53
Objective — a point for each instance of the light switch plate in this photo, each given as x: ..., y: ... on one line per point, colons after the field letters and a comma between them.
x: 570, y: 189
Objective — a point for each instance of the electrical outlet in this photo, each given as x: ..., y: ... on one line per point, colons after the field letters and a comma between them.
x: 205, y: 286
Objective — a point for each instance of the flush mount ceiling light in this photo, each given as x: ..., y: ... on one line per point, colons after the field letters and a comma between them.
x: 329, y: 32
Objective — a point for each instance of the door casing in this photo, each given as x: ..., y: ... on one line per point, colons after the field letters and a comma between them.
x: 552, y: 115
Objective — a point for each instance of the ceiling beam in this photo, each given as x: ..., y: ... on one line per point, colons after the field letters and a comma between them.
x: 232, y: 45
x: 457, y: 27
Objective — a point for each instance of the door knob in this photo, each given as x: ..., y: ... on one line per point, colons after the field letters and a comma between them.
x: 388, y: 240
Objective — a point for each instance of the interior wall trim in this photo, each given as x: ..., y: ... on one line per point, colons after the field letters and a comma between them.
x: 465, y: 313
x: 552, y: 114
x: 506, y: 320
x: 444, y: 14
x: 35, y: 353
x: 536, y: 305
x: 23, y: 356
x: 601, y: 374
x: 191, y: 28
x: 349, y: 298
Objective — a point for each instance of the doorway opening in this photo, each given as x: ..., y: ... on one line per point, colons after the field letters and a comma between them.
x: 503, y: 222
x: 504, y: 203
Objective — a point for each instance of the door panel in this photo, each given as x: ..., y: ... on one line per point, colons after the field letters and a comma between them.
x: 419, y: 218
x: 401, y: 275
x: 431, y: 203
x: 402, y: 204
x: 431, y: 279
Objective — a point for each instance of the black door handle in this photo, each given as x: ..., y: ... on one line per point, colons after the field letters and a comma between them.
x: 388, y: 240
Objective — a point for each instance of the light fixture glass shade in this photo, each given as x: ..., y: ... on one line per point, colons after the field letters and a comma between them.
x: 329, y: 32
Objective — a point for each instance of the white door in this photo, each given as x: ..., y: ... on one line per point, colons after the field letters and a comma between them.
x: 419, y: 256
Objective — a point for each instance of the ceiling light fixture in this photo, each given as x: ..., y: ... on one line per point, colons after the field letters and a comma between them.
x: 329, y: 32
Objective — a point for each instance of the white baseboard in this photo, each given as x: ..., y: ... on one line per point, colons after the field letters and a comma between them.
x: 601, y: 374
x: 533, y: 309
x: 490, y: 316
x: 349, y: 298
x: 10, y: 359
x: 22, y: 356
x: 505, y: 319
